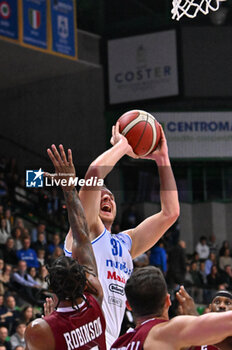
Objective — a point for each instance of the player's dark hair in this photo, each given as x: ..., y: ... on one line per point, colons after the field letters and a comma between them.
x: 146, y: 291
x: 66, y: 279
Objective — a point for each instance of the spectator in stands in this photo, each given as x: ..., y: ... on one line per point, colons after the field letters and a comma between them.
x: 55, y: 243
x: 28, y: 254
x: 195, y: 291
x: 17, y: 339
x: 225, y: 259
x: 158, y: 256
x: 2, y: 347
x: 32, y: 272
x: 19, y: 347
x: 19, y: 223
x: 202, y: 248
x: 1, y: 302
x: 40, y: 243
x: 41, y: 279
x: 188, y: 280
x: 196, y: 258
x: 3, y: 338
x: 1, y: 266
x: 141, y: 261
x: 227, y: 276
x: 2, y: 289
x: 213, y: 246
x: 17, y: 235
x: 210, y: 262
x: 214, y: 279
x: 224, y: 246
x: 41, y: 228
x: 5, y: 277
x: 195, y: 274
x: 176, y: 264
x: 56, y: 254
x: 27, y: 314
x: 41, y: 256
x: 9, y: 253
x: 25, y: 284
x: 3, y: 232
x: 202, y: 275
x: 11, y: 315
x: 9, y: 220
x: 25, y: 233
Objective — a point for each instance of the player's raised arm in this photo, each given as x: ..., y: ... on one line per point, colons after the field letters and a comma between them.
x: 186, y: 331
x: 145, y: 235
x: 81, y: 246
x: 101, y: 167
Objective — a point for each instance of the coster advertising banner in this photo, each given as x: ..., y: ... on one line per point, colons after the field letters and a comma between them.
x: 9, y: 19
x: 143, y: 67
x: 198, y: 134
x: 35, y: 23
x: 63, y: 27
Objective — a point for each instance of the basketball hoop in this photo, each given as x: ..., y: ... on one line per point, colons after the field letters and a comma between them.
x: 190, y: 8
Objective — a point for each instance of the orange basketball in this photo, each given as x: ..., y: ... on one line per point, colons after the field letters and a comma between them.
x: 141, y: 130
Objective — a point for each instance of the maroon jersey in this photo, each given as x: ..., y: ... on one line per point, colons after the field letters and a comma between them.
x: 134, y: 339
x: 78, y: 329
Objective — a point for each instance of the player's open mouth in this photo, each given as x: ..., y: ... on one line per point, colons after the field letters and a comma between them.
x: 106, y: 208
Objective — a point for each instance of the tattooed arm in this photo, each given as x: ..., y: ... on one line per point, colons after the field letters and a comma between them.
x: 81, y: 248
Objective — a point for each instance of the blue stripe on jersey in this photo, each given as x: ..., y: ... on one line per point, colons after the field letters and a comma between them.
x: 67, y: 253
x: 124, y: 237
x: 101, y: 235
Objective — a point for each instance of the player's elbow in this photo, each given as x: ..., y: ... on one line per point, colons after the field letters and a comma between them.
x: 172, y: 214
x: 93, y: 171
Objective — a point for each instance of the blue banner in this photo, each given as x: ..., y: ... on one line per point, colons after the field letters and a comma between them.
x: 63, y: 27
x: 35, y: 23
x: 9, y: 18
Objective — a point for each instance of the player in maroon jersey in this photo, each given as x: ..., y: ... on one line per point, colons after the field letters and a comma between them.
x: 221, y: 302
x: 149, y: 301
x: 77, y: 322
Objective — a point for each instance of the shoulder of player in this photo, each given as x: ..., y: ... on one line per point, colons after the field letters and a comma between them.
x: 123, y: 234
x: 165, y: 332
x: 154, y: 336
x: 128, y: 232
x: 38, y: 335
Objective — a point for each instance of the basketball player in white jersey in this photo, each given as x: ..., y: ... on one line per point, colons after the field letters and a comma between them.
x: 114, y: 252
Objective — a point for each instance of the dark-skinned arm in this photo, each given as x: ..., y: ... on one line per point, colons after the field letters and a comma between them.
x: 81, y: 248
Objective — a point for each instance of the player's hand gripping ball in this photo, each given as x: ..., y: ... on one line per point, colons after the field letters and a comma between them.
x: 141, y: 130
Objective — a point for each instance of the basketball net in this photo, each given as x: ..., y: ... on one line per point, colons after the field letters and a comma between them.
x: 190, y: 8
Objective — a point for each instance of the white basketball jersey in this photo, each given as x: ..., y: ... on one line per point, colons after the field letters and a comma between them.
x: 114, y: 264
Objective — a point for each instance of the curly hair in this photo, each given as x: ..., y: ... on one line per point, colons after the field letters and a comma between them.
x: 66, y: 279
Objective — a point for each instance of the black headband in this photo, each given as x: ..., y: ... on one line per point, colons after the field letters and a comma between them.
x: 223, y: 293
